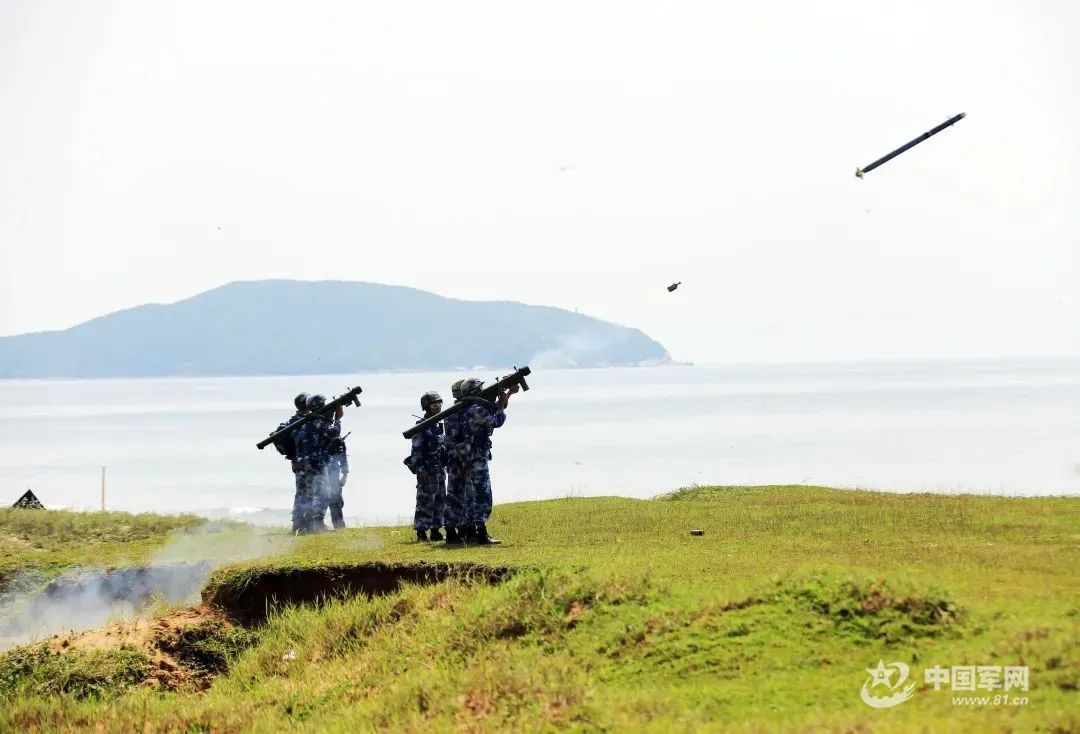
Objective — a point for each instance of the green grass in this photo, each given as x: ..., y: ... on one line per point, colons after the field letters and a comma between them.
x: 36, y: 546
x: 620, y: 619
x: 36, y: 671
x: 45, y: 542
x: 207, y: 648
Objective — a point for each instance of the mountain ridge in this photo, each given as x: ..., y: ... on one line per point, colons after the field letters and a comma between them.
x: 309, y: 327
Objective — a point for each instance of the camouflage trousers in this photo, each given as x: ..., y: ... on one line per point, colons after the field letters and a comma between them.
x: 478, y: 490
x: 309, y: 512
x: 335, y: 497
x: 336, y: 503
x: 457, y: 501
x: 300, y: 501
x: 430, y: 498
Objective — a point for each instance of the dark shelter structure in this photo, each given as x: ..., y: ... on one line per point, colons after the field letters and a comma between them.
x: 29, y: 501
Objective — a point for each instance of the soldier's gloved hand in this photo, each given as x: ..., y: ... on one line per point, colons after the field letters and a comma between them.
x: 344, y: 478
x: 514, y: 388
x: 339, y: 413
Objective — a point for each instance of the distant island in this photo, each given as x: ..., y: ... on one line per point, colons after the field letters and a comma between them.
x: 300, y: 327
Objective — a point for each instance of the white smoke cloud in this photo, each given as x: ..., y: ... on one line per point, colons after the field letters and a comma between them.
x: 90, y: 597
x: 572, y: 350
x: 585, y: 348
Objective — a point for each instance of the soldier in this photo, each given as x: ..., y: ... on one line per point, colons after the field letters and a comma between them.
x: 288, y: 448
x: 480, y: 421
x: 456, y: 445
x: 313, y: 441
x: 338, y: 468
x: 426, y: 459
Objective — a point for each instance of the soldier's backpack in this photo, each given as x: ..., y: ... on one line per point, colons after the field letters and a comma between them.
x: 285, y: 443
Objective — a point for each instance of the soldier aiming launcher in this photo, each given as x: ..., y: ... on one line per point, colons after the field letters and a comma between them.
x: 328, y: 409
x: 487, y: 396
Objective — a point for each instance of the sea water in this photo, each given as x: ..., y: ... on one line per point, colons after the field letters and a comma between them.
x: 1008, y: 427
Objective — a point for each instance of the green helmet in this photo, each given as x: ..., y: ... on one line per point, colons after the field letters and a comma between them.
x: 428, y: 398
x: 471, y: 387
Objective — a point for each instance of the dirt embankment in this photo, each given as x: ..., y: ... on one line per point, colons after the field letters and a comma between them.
x: 186, y: 647
x: 174, y: 642
x: 250, y: 595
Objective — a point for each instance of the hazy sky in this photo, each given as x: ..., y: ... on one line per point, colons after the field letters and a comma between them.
x: 575, y: 154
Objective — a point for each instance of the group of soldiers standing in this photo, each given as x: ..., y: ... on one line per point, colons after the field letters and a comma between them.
x: 320, y: 465
x: 449, y: 458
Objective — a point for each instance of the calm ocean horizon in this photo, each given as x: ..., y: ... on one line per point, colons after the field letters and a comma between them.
x: 188, y: 444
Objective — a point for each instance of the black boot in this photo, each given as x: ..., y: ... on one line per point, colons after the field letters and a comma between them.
x: 452, y: 536
x: 481, y: 537
x: 435, y: 535
x: 421, y: 535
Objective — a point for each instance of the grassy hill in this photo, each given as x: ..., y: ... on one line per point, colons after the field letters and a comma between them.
x: 43, y: 543
x: 606, y: 614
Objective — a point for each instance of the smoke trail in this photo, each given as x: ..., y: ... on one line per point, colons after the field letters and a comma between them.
x: 573, y: 350
x: 597, y: 348
x: 86, y: 598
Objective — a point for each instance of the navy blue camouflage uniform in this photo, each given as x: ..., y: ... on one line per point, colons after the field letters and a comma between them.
x: 313, y: 440
x: 338, y: 470
x: 299, y: 477
x: 427, y: 458
x: 456, y: 445
x: 479, y: 422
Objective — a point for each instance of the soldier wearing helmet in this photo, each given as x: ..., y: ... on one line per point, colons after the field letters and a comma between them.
x: 456, y: 446
x: 480, y: 420
x: 287, y: 447
x: 427, y: 460
x: 313, y: 444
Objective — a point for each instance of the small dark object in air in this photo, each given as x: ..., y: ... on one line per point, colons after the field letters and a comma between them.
x: 907, y: 146
x: 697, y: 532
x: 673, y: 286
x: 28, y: 502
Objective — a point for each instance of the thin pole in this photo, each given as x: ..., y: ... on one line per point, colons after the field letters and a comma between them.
x: 103, y: 489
